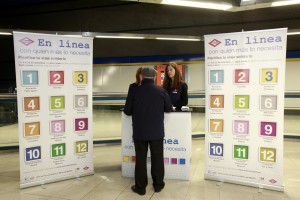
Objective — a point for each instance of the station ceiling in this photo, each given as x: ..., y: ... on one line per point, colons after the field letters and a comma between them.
x: 133, y: 16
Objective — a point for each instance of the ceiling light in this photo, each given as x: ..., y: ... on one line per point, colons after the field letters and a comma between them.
x: 5, y: 33
x: 73, y: 36
x: 119, y: 37
x: 293, y: 33
x: 183, y: 39
x: 285, y: 3
x: 197, y: 4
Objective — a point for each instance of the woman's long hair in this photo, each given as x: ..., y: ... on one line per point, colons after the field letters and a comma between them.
x: 167, y: 84
x: 137, y: 76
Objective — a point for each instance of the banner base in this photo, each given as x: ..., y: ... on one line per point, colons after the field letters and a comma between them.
x: 260, y: 186
x: 42, y: 183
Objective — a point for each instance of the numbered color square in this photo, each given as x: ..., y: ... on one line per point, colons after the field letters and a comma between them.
x: 267, y: 154
x: 182, y: 161
x: 80, y: 77
x: 81, y: 147
x: 57, y: 102
x: 81, y: 124
x: 31, y: 103
x: 33, y: 153
x: 217, y: 101
x: 80, y: 101
x: 240, y: 152
x: 240, y: 127
x: 216, y: 76
x: 30, y: 78
x: 58, y: 150
x: 241, y: 76
x: 57, y: 127
x: 174, y: 161
x: 268, y: 129
x: 126, y: 159
x: 216, y: 125
x: 216, y: 149
x: 57, y: 77
x: 32, y: 129
x: 133, y: 159
x: 166, y: 161
x: 269, y: 76
x: 241, y: 102
x: 268, y: 102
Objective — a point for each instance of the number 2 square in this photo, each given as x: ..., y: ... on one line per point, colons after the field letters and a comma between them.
x: 57, y: 78
x: 241, y: 76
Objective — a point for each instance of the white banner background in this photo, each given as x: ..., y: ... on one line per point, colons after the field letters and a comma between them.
x: 54, y: 85
x: 245, y: 76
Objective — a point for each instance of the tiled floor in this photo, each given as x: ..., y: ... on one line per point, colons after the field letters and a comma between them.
x: 108, y: 183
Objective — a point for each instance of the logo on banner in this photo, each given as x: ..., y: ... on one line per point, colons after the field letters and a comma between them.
x: 272, y: 181
x: 26, y: 41
x: 214, y: 42
x: 29, y: 178
x: 86, y: 168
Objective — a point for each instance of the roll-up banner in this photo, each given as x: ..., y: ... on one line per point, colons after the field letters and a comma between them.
x: 244, y: 123
x: 54, y: 85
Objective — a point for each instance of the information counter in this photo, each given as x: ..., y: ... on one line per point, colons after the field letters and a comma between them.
x: 177, y: 146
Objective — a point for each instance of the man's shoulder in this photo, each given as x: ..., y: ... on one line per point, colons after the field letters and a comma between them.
x: 132, y: 86
x: 160, y: 89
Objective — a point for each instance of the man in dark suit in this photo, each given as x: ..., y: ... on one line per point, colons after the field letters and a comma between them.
x: 147, y: 104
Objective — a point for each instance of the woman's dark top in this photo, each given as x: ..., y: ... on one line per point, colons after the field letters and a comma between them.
x: 179, y: 97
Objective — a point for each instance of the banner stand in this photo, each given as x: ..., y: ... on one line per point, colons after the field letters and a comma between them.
x: 43, y: 183
x: 244, y: 112
x: 260, y: 186
x: 54, y: 81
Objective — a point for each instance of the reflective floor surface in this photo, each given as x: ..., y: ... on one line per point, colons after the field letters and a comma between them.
x: 107, y: 182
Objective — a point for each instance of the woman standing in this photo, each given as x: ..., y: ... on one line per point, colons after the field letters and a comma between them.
x: 138, y: 79
x: 175, y: 85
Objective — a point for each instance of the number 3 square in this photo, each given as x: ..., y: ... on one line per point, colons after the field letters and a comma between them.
x: 80, y: 77
x: 269, y: 76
